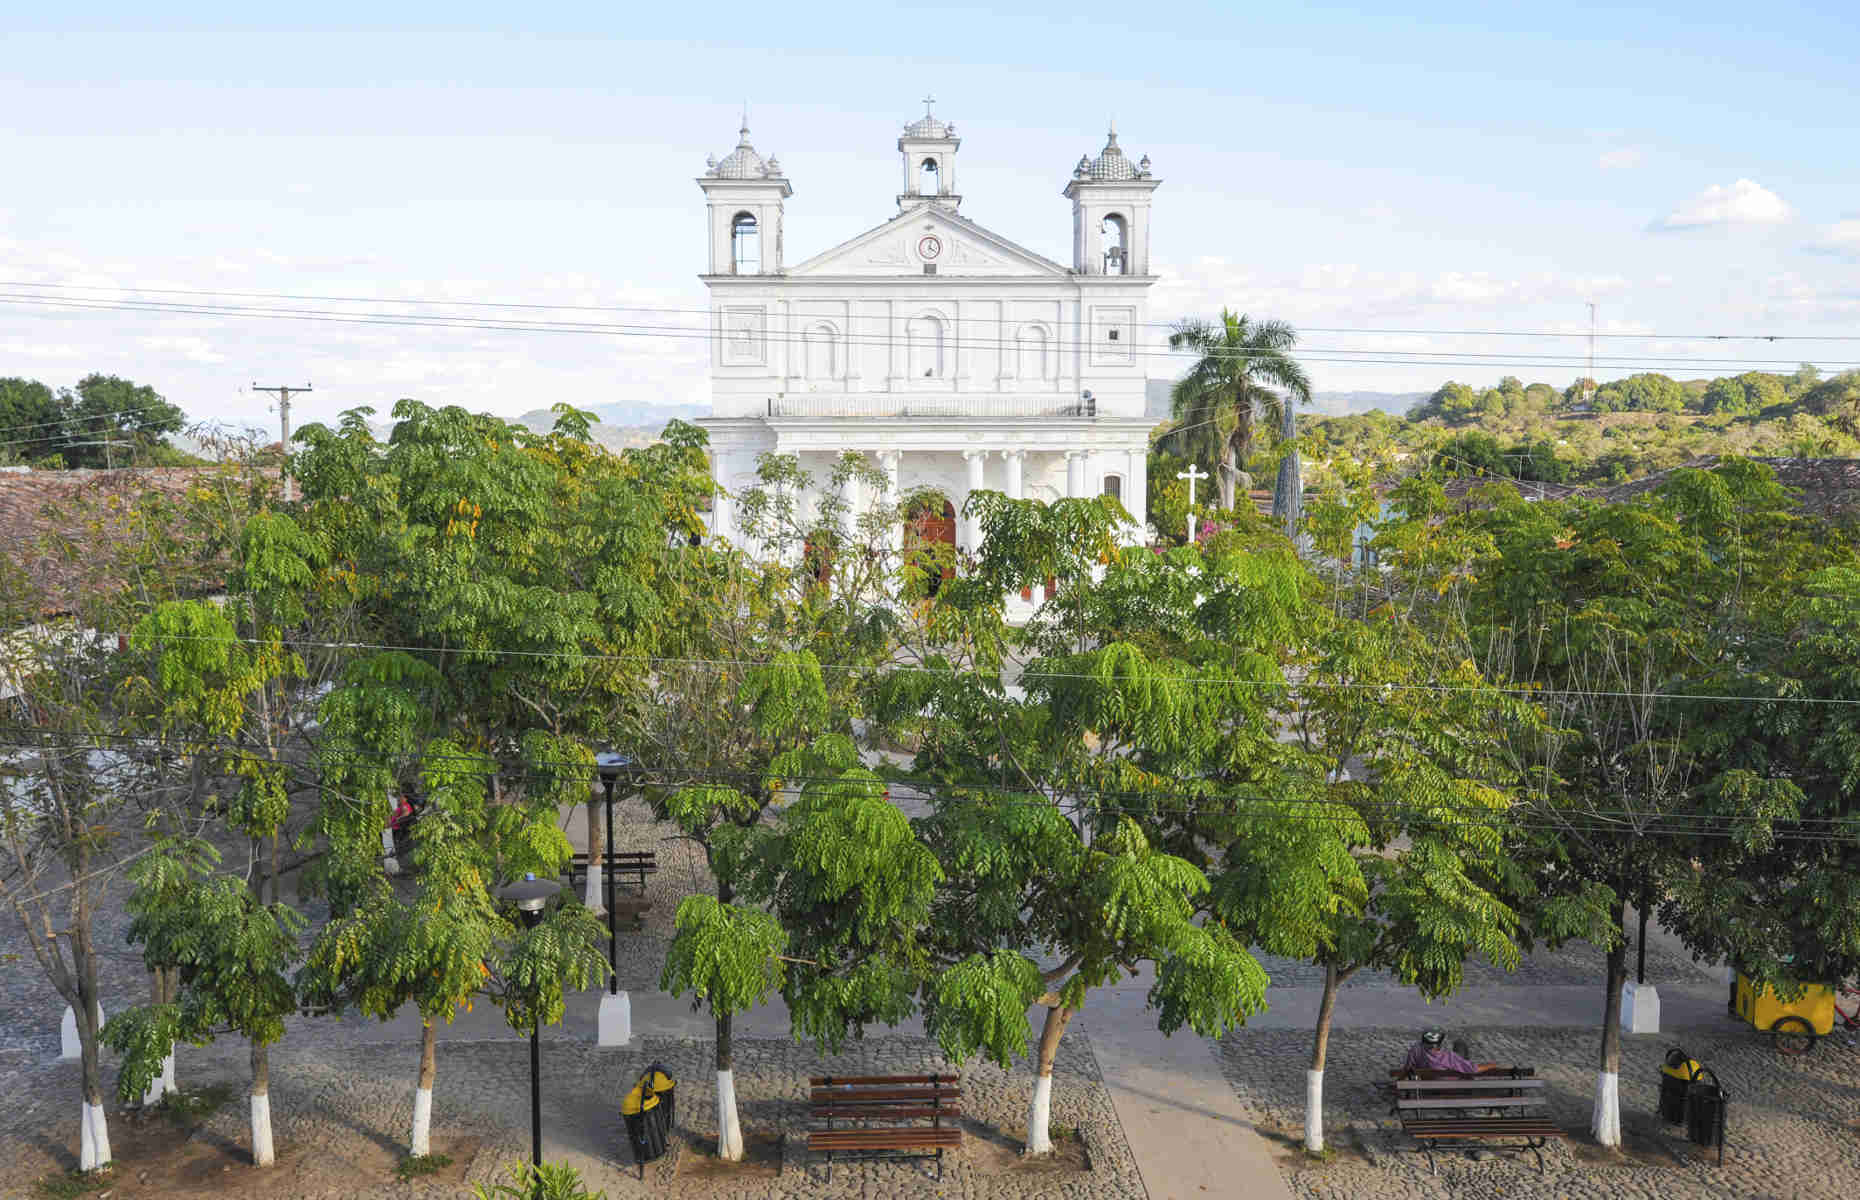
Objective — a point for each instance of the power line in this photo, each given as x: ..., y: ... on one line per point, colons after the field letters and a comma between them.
x: 1335, y: 355
x: 1066, y: 796
x: 528, y: 305
x: 80, y: 418
x: 1196, y: 681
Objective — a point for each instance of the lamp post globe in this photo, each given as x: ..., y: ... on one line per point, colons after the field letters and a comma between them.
x: 531, y: 895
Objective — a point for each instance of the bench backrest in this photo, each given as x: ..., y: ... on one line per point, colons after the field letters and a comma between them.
x: 878, y: 1080
x: 1483, y: 1091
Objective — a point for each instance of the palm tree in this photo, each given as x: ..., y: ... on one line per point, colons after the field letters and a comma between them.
x: 1218, y: 402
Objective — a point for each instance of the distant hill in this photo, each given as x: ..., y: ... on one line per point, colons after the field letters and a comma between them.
x: 1343, y: 404
x: 1330, y: 404
x: 621, y: 425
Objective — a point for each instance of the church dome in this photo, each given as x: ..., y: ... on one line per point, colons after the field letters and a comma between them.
x: 744, y: 163
x: 929, y: 127
x: 1111, y: 165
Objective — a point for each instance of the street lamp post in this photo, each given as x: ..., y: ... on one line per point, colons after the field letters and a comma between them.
x: 530, y: 895
x: 614, y: 1026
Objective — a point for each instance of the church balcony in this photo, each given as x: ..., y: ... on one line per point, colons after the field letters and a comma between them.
x: 888, y: 404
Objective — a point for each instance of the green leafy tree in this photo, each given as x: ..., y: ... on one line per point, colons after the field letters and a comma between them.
x: 1243, y: 374
x: 111, y: 421
x: 434, y: 950
x: 1058, y: 820
x: 729, y: 958
x: 31, y: 421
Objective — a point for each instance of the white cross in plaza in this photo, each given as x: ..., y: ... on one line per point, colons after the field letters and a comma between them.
x: 1194, y: 474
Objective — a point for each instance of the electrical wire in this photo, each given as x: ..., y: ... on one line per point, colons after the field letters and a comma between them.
x: 1077, y: 800
x: 1335, y: 355
x: 509, y: 304
x: 1192, y: 681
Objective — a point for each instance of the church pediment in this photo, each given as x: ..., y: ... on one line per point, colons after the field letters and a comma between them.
x: 927, y: 235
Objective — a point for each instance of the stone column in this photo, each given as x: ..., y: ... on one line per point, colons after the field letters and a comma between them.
x: 1075, y: 474
x: 1016, y: 460
x: 722, y: 514
x: 971, y: 528
x: 888, y: 460
x: 1137, y: 493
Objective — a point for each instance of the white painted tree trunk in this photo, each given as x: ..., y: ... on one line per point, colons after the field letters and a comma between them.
x: 93, y: 1138
x: 422, y: 1140
x: 592, y: 896
x: 167, y: 1072
x: 1606, y: 1125
x: 262, y: 1153
x: 389, y: 863
x: 1040, y: 1116
x: 1314, y: 1111
x: 729, y: 1131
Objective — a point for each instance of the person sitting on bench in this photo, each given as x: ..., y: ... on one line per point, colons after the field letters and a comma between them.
x: 1431, y: 1054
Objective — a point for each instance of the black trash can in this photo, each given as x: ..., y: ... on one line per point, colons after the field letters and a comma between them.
x: 1676, y: 1078
x: 1707, y: 1105
x: 647, y: 1111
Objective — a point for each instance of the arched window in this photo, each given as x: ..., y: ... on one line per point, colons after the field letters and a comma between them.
x: 1116, y: 247
x: 925, y: 337
x: 1032, y: 353
x: 1114, y: 487
x: 746, y: 245
x: 822, y: 351
x: 929, y: 180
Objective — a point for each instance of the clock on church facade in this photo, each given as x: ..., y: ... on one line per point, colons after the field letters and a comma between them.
x: 954, y: 358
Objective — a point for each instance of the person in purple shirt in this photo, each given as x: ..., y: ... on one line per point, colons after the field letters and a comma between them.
x: 1431, y: 1054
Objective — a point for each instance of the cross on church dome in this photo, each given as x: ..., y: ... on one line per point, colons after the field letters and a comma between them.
x: 929, y: 126
x: 1111, y: 165
x: 743, y: 162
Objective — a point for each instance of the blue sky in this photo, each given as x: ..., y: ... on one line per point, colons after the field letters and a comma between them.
x: 1689, y: 168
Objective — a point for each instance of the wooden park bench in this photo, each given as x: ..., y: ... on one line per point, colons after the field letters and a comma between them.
x: 630, y: 893
x: 1442, y: 1110
x: 889, y: 1111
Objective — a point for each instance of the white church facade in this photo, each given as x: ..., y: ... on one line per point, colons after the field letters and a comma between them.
x: 953, y: 358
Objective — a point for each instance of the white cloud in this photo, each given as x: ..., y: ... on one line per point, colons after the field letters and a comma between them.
x: 192, y: 349
x: 1745, y: 202
x: 1620, y: 160
x: 1842, y: 237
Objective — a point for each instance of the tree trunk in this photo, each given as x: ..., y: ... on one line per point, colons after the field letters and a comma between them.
x: 729, y: 1130
x: 1040, y: 1108
x: 592, y: 897
x: 262, y: 1155
x: 164, y: 988
x: 420, y: 1145
x: 1606, y: 1122
x: 1230, y: 471
x: 94, y: 1133
x: 1314, y: 1078
x: 277, y: 874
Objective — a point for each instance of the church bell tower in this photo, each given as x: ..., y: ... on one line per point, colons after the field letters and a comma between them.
x: 744, y: 195
x: 1111, y: 212
x: 929, y: 148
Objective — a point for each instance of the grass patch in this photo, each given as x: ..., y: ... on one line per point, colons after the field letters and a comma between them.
x: 72, y: 1184
x: 1059, y: 1133
x: 187, y: 1109
x: 423, y: 1164
x: 1321, y: 1156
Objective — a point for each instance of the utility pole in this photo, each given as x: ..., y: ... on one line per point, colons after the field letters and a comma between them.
x: 284, y: 425
x: 1589, y: 391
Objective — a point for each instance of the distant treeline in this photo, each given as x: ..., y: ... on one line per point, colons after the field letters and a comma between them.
x: 103, y: 421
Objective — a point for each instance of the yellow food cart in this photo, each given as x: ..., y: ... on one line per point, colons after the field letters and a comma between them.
x: 1793, y: 1024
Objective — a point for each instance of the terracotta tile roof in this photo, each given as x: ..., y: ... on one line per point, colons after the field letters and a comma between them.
x: 1825, y: 487
x: 53, y: 523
